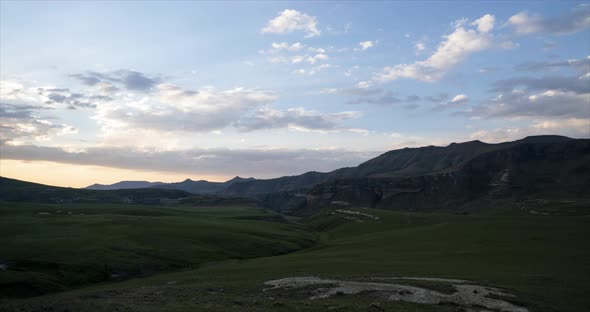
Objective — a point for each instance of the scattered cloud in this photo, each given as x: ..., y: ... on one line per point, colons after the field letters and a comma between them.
x: 523, y: 103
x: 454, y: 49
x: 419, y: 46
x: 292, y: 20
x: 295, y: 118
x: 172, y: 108
x: 129, y: 79
x: 485, y: 23
x: 217, y: 161
x: 581, y: 65
x: 20, y: 124
x: 318, y: 57
x: 571, y: 127
x: 71, y: 99
x: 277, y: 47
x: 365, y: 45
x: 460, y: 98
x: 570, y: 22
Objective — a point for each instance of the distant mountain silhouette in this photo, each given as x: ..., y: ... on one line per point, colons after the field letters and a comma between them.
x: 188, y: 185
x: 123, y: 185
x: 460, y: 177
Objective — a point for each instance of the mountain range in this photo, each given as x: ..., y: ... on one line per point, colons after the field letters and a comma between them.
x: 460, y: 177
x: 188, y: 185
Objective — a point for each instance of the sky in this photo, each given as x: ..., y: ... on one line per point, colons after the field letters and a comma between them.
x: 99, y: 92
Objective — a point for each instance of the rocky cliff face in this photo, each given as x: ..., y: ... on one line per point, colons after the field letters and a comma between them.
x: 459, y: 177
x: 497, y: 177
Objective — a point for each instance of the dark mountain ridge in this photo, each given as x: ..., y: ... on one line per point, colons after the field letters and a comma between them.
x: 188, y: 185
x: 431, y: 177
x: 460, y: 177
x: 123, y: 185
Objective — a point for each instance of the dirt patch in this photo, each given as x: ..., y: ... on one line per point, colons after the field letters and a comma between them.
x: 350, y: 212
x: 467, y: 295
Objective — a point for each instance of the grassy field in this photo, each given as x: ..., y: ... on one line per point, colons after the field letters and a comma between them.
x: 48, y: 248
x: 544, y: 259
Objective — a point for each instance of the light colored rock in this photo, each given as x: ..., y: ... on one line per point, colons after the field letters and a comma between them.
x: 469, y: 295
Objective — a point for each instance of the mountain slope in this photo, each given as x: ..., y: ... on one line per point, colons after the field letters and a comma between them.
x: 123, y: 185
x: 188, y: 185
x: 429, y: 178
x: 16, y: 190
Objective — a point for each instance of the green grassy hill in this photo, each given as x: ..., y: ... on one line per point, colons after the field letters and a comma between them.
x: 543, y: 259
x: 48, y: 247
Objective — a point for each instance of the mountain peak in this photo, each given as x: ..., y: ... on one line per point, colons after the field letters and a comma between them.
x: 545, y: 139
x: 238, y: 179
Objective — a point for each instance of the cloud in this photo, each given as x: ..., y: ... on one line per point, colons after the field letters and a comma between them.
x: 562, y: 83
x: 571, y: 127
x: 581, y: 65
x: 385, y: 98
x: 554, y: 98
x: 20, y: 124
x: 317, y: 57
x: 312, y: 71
x: 382, y: 97
x: 365, y: 45
x: 545, y: 104
x: 297, y: 46
x: 460, y: 98
x: 277, y: 47
x: 217, y: 161
x: 485, y: 23
x: 567, y: 23
x: 419, y: 46
x: 295, y: 118
x: 454, y: 49
x: 70, y: 99
x: 171, y: 108
x: 292, y: 20
x: 129, y: 79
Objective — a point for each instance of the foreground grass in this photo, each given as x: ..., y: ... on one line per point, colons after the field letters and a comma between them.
x: 48, y: 248
x: 545, y: 260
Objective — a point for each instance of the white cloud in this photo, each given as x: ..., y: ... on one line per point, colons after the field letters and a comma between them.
x: 172, y: 108
x: 454, y: 49
x: 419, y: 46
x: 485, y: 23
x: 292, y: 20
x: 545, y: 104
x: 295, y: 118
x: 567, y: 23
x: 571, y: 127
x: 316, y: 50
x: 460, y: 98
x: 364, y: 84
x: 297, y: 59
x: 299, y: 71
x: 317, y: 57
x: 297, y: 46
x: 365, y: 45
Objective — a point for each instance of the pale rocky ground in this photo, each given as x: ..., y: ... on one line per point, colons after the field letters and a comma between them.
x: 474, y: 298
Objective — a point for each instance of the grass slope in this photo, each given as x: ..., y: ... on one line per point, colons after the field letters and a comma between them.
x: 544, y: 259
x: 49, y: 248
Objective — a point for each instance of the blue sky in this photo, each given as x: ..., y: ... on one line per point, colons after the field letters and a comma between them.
x: 163, y: 90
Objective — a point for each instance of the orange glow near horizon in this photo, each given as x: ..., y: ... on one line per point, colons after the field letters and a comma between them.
x: 69, y: 175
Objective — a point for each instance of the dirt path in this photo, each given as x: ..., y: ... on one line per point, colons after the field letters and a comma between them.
x: 470, y: 296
